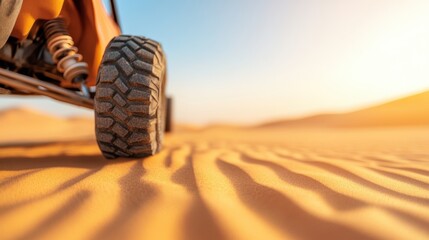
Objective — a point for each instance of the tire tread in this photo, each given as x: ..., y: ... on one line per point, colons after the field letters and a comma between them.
x: 127, y: 99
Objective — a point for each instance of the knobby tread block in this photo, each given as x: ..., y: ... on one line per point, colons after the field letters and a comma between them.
x: 128, y: 109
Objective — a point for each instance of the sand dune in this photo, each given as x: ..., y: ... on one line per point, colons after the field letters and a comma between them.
x: 231, y: 184
x: 21, y: 124
x: 218, y: 182
x: 408, y: 111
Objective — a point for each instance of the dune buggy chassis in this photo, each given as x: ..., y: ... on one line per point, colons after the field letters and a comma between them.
x: 121, y: 77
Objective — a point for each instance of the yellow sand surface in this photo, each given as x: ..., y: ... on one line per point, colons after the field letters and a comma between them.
x: 221, y: 184
x: 18, y: 125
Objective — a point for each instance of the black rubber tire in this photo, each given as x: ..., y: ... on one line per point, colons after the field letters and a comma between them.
x: 130, y: 98
x: 169, y: 115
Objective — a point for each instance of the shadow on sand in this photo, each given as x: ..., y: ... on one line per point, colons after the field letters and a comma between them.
x: 92, y: 164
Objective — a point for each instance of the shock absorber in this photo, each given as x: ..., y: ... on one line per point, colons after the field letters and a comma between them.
x: 65, y: 55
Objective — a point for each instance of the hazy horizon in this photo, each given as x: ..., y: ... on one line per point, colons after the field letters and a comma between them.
x: 251, y: 61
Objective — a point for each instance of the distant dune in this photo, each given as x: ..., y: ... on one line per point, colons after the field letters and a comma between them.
x: 24, y: 124
x: 408, y: 111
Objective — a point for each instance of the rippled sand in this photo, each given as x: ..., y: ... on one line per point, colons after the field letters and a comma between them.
x: 223, y: 184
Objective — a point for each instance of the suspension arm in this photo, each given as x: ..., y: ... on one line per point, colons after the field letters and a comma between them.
x: 29, y: 84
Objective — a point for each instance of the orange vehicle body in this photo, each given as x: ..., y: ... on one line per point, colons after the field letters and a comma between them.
x: 88, y: 22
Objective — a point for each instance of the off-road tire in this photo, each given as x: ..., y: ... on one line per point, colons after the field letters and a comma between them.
x: 169, y: 115
x: 130, y: 98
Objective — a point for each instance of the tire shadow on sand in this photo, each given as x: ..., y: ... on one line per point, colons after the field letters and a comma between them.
x: 28, y: 166
x: 199, y: 222
x: 62, y: 159
x: 134, y: 193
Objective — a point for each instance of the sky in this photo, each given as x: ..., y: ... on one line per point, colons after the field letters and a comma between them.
x: 249, y: 61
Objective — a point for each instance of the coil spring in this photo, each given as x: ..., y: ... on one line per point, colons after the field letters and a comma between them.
x: 61, y: 46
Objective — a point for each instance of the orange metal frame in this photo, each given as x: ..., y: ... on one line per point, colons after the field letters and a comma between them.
x: 88, y: 22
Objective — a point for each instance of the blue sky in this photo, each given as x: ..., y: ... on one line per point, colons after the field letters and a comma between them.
x: 245, y: 61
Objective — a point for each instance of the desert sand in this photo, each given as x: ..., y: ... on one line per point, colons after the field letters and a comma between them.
x: 254, y: 183
x: 20, y: 125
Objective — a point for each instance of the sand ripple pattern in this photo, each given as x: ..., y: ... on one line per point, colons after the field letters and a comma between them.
x: 204, y: 187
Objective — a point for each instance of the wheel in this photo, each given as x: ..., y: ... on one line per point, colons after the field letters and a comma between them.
x: 169, y: 115
x: 130, y: 98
